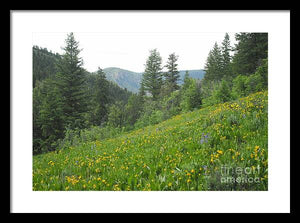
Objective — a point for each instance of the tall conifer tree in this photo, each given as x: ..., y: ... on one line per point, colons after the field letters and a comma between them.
x: 51, y: 115
x: 250, y: 51
x: 72, y: 84
x: 100, y: 99
x: 213, y: 65
x: 172, y: 75
x: 152, y: 77
x: 226, y: 57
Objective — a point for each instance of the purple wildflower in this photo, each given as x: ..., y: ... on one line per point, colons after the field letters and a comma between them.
x: 202, y: 140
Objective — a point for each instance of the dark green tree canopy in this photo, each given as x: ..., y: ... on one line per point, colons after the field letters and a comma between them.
x: 152, y: 77
x: 226, y: 57
x: 213, y: 64
x: 43, y: 64
x: 100, y: 99
x: 172, y: 74
x: 72, y: 84
x: 250, y: 51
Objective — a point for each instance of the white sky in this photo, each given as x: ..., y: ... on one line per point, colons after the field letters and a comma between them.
x: 130, y: 50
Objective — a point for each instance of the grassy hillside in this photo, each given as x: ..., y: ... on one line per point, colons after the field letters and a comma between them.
x: 221, y: 147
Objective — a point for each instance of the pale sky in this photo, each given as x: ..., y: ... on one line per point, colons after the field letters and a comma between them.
x: 130, y: 50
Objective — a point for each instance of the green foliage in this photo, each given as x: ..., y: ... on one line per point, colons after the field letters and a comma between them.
x: 71, y: 82
x: 220, y: 93
x: 250, y: 51
x: 76, y: 137
x: 132, y: 80
x: 262, y: 71
x: 152, y: 77
x: 171, y: 105
x: 226, y: 57
x: 151, y: 113
x: 133, y: 109
x: 191, y: 95
x: 36, y: 107
x: 225, y: 76
x: 223, y: 93
x: 153, y: 118
x: 116, y: 115
x: 244, y: 85
x: 114, y: 92
x: 254, y: 83
x: 99, y: 102
x: 184, y: 153
x: 213, y: 66
x: 43, y: 64
x: 48, y: 100
x: 172, y: 74
x: 48, y: 122
x: 239, y: 86
x: 78, y: 104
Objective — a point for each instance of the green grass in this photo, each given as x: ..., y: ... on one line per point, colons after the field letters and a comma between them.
x: 187, y: 152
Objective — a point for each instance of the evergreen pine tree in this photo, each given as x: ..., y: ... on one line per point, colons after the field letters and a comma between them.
x: 213, y: 65
x: 226, y: 58
x: 37, y: 98
x: 100, y: 99
x: 141, y: 93
x: 72, y: 84
x: 133, y: 109
x: 250, y: 51
x: 186, y: 81
x: 172, y: 74
x: 51, y: 115
x: 152, y: 77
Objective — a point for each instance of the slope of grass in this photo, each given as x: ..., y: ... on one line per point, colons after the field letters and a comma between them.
x: 221, y: 147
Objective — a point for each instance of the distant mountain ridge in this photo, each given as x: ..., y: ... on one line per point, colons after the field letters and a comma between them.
x: 196, y: 74
x: 124, y: 78
x: 131, y: 80
x: 44, y: 66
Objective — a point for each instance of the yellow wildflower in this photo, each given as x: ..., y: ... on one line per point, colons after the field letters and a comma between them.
x: 220, y: 152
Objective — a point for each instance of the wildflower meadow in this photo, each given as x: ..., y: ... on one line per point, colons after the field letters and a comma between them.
x: 218, y: 147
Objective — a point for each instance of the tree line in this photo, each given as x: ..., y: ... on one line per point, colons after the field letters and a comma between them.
x: 73, y: 101
x: 66, y: 96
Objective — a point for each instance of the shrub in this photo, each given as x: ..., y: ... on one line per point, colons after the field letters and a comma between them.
x: 254, y: 83
x: 239, y: 86
x: 116, y: 117
x: 263, y: 72
x: 153, y: 118
x: 191, y: 96
x: 171, y: 105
